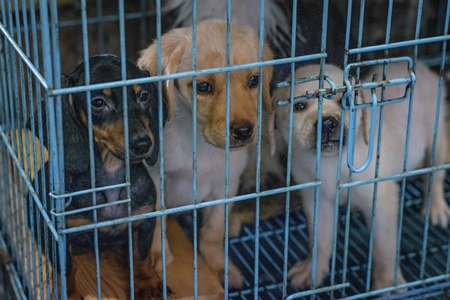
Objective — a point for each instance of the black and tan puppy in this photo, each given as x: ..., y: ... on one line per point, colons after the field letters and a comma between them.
x: 108, y: 128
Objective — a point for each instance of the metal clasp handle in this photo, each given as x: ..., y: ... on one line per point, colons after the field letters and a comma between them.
x: 352, y: 132
x: 348, y: 103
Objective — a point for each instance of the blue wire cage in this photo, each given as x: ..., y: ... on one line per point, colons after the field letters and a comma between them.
x: 42, y: 39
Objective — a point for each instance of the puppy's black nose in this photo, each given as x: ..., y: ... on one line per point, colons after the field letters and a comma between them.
x: 241, y: 133
x: 141, y: 145
x: 329, y: 125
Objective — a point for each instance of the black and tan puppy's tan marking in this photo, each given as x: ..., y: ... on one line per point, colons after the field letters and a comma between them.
x: 107, y: 111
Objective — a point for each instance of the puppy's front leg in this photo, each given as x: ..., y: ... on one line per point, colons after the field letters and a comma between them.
x: 300, y: 274
x: 211, y: 245
x: 156, y: 250
x: 385, y: 232
x: 147, y: 283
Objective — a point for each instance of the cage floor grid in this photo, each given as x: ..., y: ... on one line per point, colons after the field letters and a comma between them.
x: 271, y: 241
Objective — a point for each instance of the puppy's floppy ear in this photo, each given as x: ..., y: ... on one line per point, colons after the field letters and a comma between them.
x: 76, y: 147
x: 173, y: 45
x: 154, y: 123
x: 154, y: 92
x: 269, y: 105
x: 43, y: 105
x: 76, y: 143
x: 153, y: 158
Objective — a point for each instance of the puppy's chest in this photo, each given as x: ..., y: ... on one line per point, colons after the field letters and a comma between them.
x: 179, y: 151
x: 210, y: 177
x: 210, y: 165
x: 140, y: 195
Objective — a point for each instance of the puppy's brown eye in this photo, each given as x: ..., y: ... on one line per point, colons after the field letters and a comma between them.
x: 144, y: 97
x: 299, y: 106
x: 253, y: 81
x: 203, y: 87
x: 97, y: 102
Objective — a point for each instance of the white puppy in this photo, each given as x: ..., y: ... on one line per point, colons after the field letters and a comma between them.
x: 304, y: 151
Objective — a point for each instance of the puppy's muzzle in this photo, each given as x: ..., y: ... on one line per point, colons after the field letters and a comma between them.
x: 140, y: 146
x: 241, y: 132
x: 330, y: 133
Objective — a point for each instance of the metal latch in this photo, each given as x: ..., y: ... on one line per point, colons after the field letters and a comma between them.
x: 348, y: 101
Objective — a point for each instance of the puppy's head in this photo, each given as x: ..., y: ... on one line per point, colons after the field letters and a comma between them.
x: 305, y: 113
x: 211, y: 89
x: 107, y: 110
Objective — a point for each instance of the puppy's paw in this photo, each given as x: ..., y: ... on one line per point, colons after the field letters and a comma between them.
x: 149, y: 288
x: 215, y: 261
x: 299, y: 274
x: 235, y: 278
x: 439, y: 212
x: 385, y: 279
x: 213, y: 253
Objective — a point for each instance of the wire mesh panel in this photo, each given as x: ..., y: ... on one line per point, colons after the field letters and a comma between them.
x: 149, y: 152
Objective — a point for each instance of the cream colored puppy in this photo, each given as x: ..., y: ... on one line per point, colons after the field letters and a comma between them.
x: 212, y: 127
x: 391, y: 160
